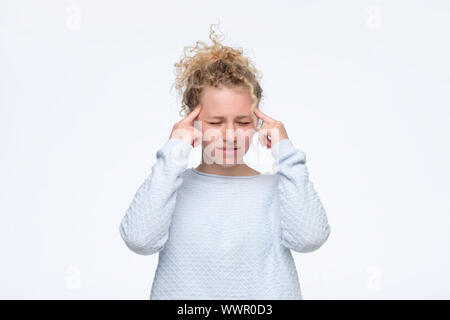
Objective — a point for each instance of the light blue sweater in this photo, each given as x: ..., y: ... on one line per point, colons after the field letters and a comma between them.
x: 225, y: 237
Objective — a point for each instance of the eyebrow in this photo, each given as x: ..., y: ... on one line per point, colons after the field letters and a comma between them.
x: 238, y: 117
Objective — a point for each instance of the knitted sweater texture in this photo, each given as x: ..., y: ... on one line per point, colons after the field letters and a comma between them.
x: 225, y: 237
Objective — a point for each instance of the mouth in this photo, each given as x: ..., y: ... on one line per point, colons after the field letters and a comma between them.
x: 230, y: 150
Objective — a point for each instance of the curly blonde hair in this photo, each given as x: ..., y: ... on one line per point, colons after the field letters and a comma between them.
x: 216, y: 65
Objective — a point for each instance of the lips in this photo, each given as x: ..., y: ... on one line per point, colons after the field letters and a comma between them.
x: 229, y: 151
x: 230, y: 148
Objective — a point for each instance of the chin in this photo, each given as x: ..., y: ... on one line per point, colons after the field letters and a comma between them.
x: 230, y: 163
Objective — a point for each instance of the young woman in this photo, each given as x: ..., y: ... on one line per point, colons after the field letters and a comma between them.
x: 223, y: 230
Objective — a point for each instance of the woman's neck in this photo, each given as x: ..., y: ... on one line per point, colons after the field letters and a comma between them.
x: 234, y: 170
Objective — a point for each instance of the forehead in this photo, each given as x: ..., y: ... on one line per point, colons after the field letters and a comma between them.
x: 226, y: 102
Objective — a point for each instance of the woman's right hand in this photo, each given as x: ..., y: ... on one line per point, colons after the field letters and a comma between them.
x: 185, y: 130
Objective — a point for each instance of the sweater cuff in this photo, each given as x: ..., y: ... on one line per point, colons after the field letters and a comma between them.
x: 282, y: 148
x: 178, y: 149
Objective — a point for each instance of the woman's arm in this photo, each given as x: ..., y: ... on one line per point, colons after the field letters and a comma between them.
x: 304, y: 221
x: 145, y: 226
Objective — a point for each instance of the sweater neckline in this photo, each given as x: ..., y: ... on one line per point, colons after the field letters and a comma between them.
x: 195, y: 171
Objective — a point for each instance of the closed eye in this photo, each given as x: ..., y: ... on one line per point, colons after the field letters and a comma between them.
x: 243, y: 123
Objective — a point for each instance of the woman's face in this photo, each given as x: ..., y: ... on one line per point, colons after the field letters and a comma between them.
x: 228, y: 122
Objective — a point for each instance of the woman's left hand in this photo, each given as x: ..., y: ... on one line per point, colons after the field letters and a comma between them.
x: 272, y: 131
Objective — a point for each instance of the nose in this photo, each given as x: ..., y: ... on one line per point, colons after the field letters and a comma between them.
x: 229, y: 135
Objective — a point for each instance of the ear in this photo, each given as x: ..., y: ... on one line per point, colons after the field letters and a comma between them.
x: 259, y: 124
x: 256, y: 122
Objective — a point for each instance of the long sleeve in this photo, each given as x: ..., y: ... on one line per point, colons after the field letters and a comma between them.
x: 145, y: 226
x: 304, y: 223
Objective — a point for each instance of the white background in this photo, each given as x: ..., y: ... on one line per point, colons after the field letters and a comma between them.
x: 363, y: 87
